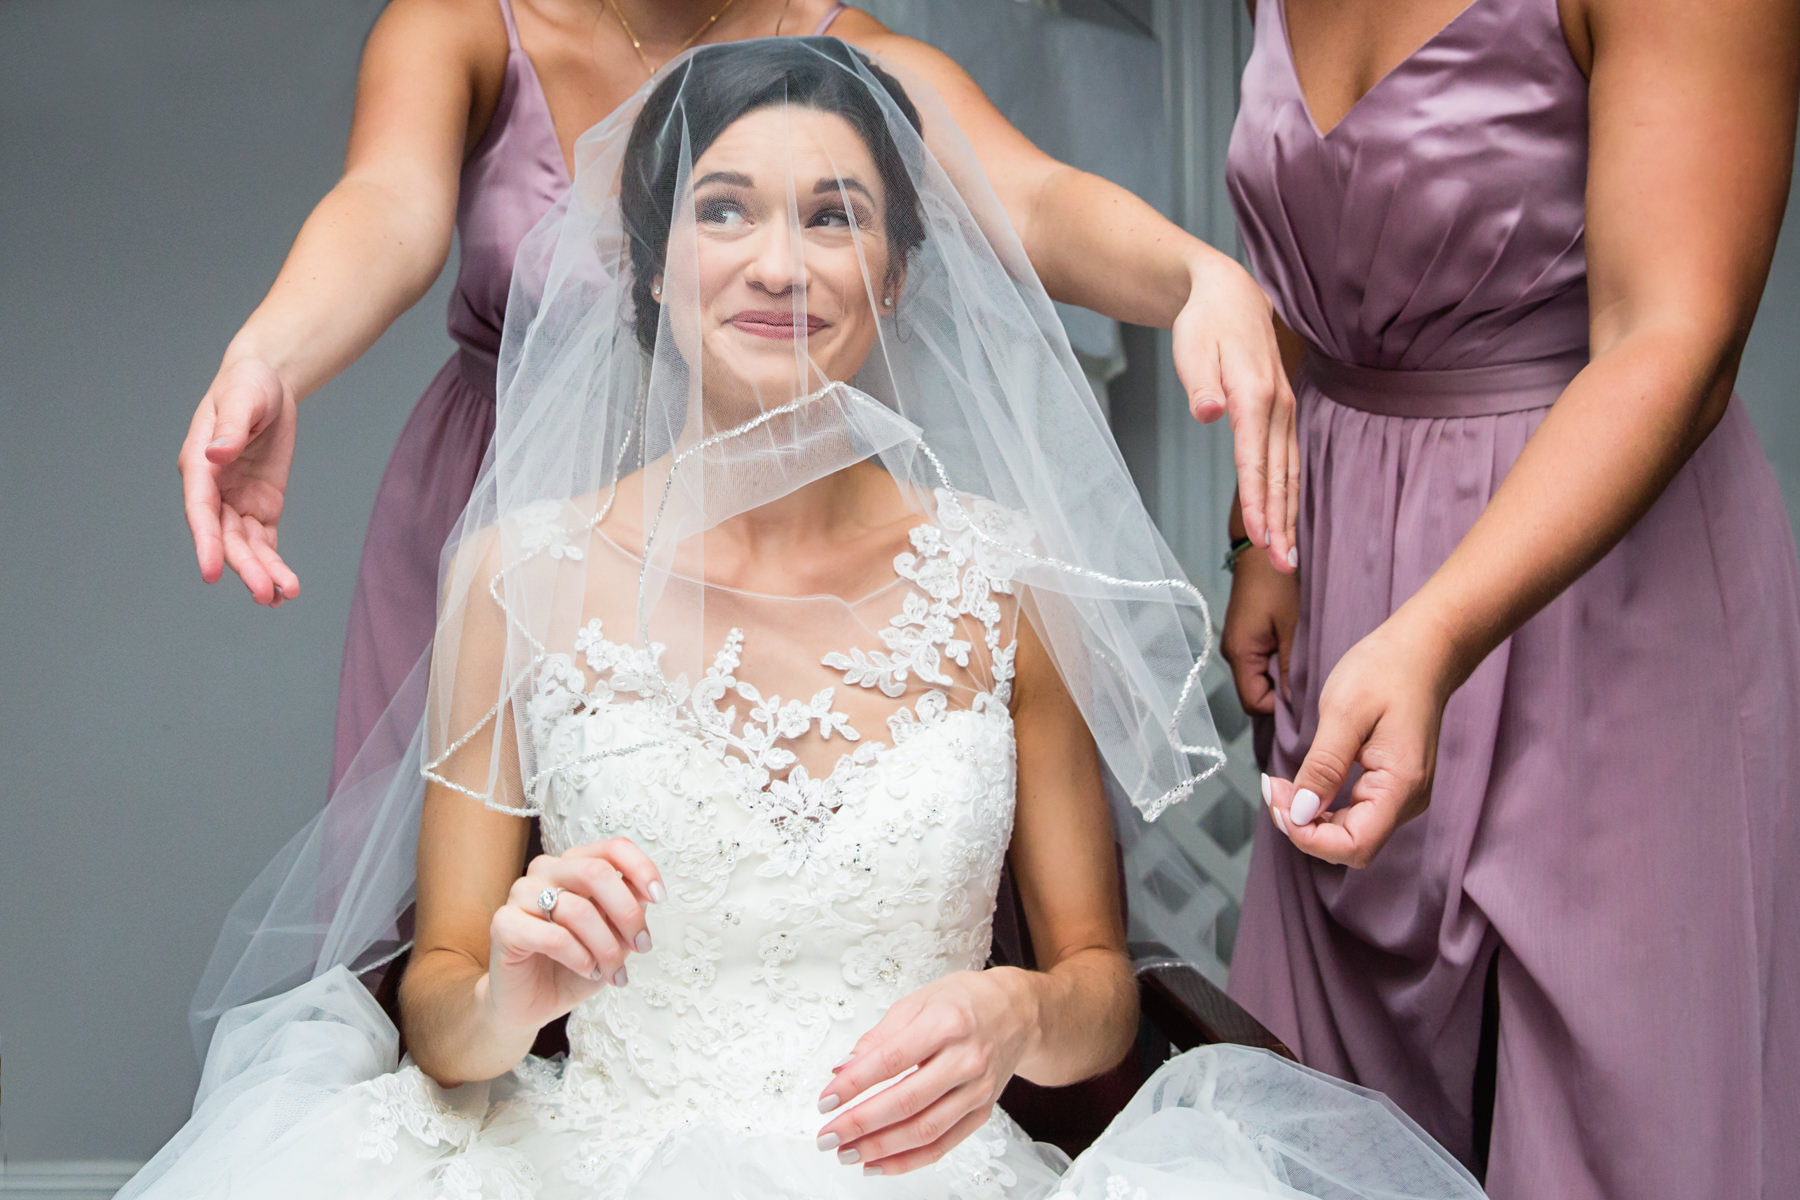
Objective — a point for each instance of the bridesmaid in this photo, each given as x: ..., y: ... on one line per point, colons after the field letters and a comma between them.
x: 1546, y: 582
x: 466, y: 116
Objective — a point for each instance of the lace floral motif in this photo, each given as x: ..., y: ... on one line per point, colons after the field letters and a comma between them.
x: 800, y: 905
x: 407, y: 1100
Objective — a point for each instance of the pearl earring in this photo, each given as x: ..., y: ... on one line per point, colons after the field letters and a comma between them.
x: 656, y: 291
x: 887, y: 301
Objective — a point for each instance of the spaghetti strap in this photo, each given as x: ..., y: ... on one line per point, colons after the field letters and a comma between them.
x: 823, y: 24
x: 512, y: 26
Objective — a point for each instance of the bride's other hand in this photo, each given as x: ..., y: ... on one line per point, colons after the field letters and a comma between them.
x: 540, y: 966
x: 234, y: 468
x: 961, y: 1038
x: 1230, y: 364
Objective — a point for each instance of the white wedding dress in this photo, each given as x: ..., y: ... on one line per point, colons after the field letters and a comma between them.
x: 799, y: 908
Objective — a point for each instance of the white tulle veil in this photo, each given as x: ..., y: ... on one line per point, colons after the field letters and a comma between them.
x: 902, y: 341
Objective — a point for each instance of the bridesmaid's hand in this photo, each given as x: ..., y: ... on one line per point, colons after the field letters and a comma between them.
x: 234, y: 472
x: 1259, y: 626
x: 961, y: 1037
x: 540, y: 967
x: 1380, y: 710
x: 1230, y: 364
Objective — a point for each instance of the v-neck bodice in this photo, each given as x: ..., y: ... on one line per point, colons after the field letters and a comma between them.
x: 1439, y: 224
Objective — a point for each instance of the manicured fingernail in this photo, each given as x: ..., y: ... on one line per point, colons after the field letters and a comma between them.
x: 1280, y: 821
x: 843, y: 1062
x: 871, y: 1170
x: 1268, y: 538
x: 658, y: 893
x: 1305, y: 806
x: 829, y: 1141
x: 1267, y: 789
x: 826, y: 1104
x: 1294, y: 557
x: 621, y: 979
x: 643, y: 942
x: 215, y: 443
x: 849, y: 1156
x: 597, y: 976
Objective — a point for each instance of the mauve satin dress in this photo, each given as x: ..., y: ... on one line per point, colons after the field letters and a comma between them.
x: 510, y: 180
x: 1613, y: 828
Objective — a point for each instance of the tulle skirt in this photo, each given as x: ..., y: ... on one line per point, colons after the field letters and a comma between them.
x: 303, y: 1096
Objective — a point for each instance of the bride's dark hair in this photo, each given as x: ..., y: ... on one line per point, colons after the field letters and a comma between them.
x: 721, y: 83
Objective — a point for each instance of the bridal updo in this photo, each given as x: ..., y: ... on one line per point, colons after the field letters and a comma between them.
x: 719, y: 84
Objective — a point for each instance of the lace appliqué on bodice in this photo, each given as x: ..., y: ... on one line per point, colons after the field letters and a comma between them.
x: 800, y: 906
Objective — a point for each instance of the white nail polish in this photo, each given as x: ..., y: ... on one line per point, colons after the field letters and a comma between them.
x: 1267, y: 789
x: 658, y: 893
x: 829, y: 1141
x: 643, y: 942
x: 849, y: 1156
x: 621, y: 979
x: 826, y: 1104
x: 1280, y: 821
x: 871, y: 1170
x: 1305, y: 806
x: 843, y: 1062
x: 1294, y: 557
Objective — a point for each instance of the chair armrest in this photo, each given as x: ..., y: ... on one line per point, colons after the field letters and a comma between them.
x: 1189, y: 1010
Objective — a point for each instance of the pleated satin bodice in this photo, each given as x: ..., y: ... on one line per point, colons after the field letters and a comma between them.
x: 1439, y: 224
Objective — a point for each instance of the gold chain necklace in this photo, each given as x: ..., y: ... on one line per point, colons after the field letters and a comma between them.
x: 691, y: 38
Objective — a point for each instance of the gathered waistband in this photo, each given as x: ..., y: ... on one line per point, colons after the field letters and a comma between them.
x: 1463, y: 392
x: 478, y: 369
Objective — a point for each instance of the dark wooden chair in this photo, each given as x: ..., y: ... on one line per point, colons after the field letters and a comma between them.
x: 1179, y: 1009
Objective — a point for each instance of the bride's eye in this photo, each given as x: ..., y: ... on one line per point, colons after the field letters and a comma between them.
x: 831, y: 218
x: 727, y: 214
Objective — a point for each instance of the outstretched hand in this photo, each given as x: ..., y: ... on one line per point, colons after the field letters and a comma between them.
x: 234, y: 471
x: 1230, y: 366
x: 957, y: 1041
x: 1380, y: 710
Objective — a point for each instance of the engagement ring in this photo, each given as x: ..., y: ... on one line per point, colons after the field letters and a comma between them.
x: 546, y: 900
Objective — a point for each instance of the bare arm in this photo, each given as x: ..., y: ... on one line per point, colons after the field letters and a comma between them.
x: 371, y: 247
x: 970, y: 1032
x: 376, y: 242
x: 1692, y: 122
x: 1094, y: 244
x: 489, y: 969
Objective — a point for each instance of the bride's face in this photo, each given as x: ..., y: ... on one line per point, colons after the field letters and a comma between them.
x: 786, y: 284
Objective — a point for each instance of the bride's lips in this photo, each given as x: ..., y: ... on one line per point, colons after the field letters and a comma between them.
x: 780, y: 325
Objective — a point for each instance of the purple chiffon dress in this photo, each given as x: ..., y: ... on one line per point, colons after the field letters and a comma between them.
x: 510, y: 180
x: 1611, y: 849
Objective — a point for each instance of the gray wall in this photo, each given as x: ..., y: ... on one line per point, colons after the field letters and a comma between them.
x: 162, y: 739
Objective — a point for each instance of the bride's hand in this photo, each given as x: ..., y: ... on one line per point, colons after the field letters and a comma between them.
x: 965, y: 1034
x: 1230, y: 365
x: 539, y: 967
x: 234, y: 471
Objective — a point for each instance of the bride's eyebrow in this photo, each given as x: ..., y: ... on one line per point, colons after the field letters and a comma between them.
x: 848, y: 183
x: 728, y: 178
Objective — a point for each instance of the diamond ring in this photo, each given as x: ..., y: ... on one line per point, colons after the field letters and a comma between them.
x: 546, y: 901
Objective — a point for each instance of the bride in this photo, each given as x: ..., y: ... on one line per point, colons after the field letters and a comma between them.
x: 803, y: 587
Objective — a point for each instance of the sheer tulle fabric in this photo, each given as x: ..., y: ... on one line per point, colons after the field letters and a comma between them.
x: 970, y: 387
x: 765, y: 302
